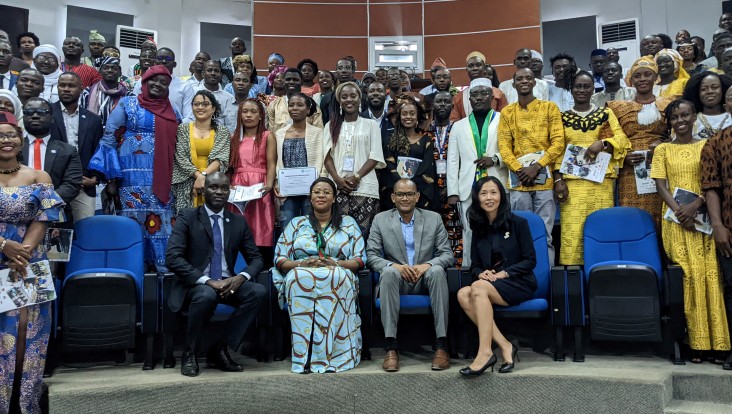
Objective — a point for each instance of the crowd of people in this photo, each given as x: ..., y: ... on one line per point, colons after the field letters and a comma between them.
x: 403, y: 182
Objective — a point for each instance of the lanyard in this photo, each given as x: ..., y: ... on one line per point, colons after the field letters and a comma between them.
x: 442, y: 139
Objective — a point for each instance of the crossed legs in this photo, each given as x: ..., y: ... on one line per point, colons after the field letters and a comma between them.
x: 477, y: 301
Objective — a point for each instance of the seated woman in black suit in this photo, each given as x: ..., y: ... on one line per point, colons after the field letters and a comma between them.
x: 502, y: 267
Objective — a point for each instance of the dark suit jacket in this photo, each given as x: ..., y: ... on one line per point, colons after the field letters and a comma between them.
x: 517, y: 251
x: 90, y: 133
x: 62, y: 163
x: 189, y: 251
x: 9, y: 83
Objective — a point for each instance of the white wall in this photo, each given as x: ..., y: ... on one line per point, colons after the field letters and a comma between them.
x: 177, y: 21
x: 699, y: 17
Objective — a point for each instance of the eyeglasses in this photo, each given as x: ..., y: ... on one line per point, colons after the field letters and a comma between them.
x: 165, y: 58
x: 204, y: 104
x: 33, y: 111
x: 8, y: 136
x: 402, y: 195
x: 41, y: 58
x: 111, y: 54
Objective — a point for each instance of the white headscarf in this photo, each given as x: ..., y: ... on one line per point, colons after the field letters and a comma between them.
x: 466, y: 98
x: 17, y: 106
x: 50, y: 85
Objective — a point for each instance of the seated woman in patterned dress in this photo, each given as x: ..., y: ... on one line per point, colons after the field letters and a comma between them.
x: 317, y: 260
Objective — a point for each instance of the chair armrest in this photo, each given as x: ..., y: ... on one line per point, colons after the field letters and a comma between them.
x: 567, y: 296
x: 150, y: 316
x: 365, y: 296
x: 269, y: 316
x: 454, y: 280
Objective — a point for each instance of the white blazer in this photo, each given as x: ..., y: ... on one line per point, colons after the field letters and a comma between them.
x: 461, y: 157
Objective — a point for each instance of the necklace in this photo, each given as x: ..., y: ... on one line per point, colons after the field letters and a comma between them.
x: 711, y: 130
x: 585, y: 113
x: 11, y: 171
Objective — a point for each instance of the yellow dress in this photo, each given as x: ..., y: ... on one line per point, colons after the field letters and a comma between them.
x: 200, y: 150
x: 586, y: 197
x: 674, y: 89
x: 694, y: 251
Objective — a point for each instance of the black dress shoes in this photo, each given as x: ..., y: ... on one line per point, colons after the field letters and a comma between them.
x: 189, y: 364
x: 222, y: 360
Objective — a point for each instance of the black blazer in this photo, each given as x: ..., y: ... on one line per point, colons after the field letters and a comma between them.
x: 189, y: 251
x: 517, y: 251
x: 90, y: 133
x: 62, y: 163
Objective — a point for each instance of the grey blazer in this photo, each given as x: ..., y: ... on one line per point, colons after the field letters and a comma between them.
x: 386, y: 243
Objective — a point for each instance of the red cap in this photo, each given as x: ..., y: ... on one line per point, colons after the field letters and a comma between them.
x: 8, y: 118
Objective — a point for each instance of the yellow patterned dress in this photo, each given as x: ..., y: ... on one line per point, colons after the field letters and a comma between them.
x: 586, y: 197
x: 694, y: 251
x: 200, y: 150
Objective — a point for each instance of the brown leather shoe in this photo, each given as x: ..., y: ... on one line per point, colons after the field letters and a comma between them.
x: 441, y: 360
x: 391, y: 361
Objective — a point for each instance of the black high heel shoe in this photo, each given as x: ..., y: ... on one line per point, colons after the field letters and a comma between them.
x: 469, y: 372
x: 507, y: 367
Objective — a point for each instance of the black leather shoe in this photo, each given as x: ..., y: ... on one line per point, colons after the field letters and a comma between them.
x: 189, y: 364
x: 469, y: 372
x: 222, y: 360
x: 508, y: 366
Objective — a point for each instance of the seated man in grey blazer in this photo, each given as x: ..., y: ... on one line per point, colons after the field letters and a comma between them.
x: 408, y: 246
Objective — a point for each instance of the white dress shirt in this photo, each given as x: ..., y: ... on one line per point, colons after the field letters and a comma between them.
x: 224, y: 266
x: 32, y: 151
x: 6, y: 80
x: 71, y: 121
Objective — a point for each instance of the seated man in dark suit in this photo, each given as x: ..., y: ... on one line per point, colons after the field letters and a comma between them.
x: 83, y: 129
x: 201, y: 252
x: 60, y: 160
x: 408, y: 246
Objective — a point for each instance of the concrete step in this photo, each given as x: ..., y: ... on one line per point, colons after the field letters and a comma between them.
x: 697, y: 407
x: 712, y: 386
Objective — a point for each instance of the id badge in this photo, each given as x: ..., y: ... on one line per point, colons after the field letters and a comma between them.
x: 348, y: 163
x: 441, y: 166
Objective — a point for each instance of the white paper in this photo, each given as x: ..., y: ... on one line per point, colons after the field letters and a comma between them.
x: 644, y: 184
x: 98, y: 198
x: 242, y: 193
x: 296, y: 181
x: 527, y: 160
x: 36, y: 287
x: 574, y: 164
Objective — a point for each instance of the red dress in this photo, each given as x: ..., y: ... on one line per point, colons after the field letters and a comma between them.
x: 252, y: 169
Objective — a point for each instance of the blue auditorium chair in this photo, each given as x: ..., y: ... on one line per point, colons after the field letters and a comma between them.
x: 105, y: 295
x: 536, y: 308
x: 629, y: 297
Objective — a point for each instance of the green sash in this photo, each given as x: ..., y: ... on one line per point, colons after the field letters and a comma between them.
x: 480, y: 140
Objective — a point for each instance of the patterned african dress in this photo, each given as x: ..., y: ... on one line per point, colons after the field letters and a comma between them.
x: 641, y: 137
x: 22, y: 206
x: 586, y: 197
x: 450, y: 214
x: 127, y: 151
x: 694, y: 251
x: 326, y: 329
x: 416, y: 162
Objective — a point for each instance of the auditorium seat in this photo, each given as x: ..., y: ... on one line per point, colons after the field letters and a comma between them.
x: 628, y: 296
x: 534, y: 309
x: 105, y: 295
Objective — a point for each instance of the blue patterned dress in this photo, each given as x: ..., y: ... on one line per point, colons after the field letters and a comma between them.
x: 321, y: 301
x: 127, y: 151
x: 20, y: 207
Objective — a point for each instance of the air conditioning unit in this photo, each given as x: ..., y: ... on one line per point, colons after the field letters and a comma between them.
x: 622, y: 35
x: 129, y: 40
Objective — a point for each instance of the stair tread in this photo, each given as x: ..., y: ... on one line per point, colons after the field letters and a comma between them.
x: 694, y: 407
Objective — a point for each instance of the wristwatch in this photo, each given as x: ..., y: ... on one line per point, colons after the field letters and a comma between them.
x: 604, y: 144
x: 204, y: 173
x: 357, y: 176
x: 495, y: 160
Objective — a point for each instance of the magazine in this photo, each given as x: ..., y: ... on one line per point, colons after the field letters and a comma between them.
x: 36, y: 287
x: 407, y: 166
x: 57, y: 244
x: 525, y: 161
x: 701, y: 221
x: 644, y: 184
x: 574, y: 163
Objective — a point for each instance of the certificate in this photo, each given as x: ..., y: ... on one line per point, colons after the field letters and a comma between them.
x: 296, y: 181
x: 241, y: 193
